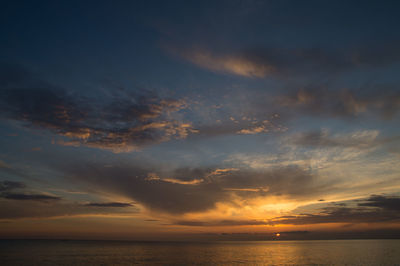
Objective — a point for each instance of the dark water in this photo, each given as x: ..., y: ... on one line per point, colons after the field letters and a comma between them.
x: 316, y: 252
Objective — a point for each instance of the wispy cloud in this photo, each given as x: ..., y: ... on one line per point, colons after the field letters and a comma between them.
x: 222, y: 223
x: 323, y: 138
x: 343, y: 102
x: 283, y: 62
x: 232, y: 64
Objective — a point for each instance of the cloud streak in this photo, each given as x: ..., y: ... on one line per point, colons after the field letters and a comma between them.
x: 17, y: 202
x: 283, y: 62
x: 109, y: 204
x: 37, y: 197
x: 13, y: 190
x: 232, y: 64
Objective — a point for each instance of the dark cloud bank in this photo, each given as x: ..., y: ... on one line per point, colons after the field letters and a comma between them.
x: 375, y: 209
x: 193, y: 189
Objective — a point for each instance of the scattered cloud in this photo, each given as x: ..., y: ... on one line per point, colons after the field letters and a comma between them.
x: 261, y: 127
x: 257, y: 124
x: 124, y: 122
x: 12, y: 209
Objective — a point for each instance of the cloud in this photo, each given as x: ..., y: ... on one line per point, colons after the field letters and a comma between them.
x: 157, y: 194
x: 261, y: 127
x: 383, y: 202
x: 4, y: 165
x: 38, y: 197
x: 233, y: 64
x: 178, y: 181
x: 283, y: 62
x: 341, y: 215
x: 221, y: 222
x: 121, y: 123
x: 375, y: 209
x: 260, y: 123
x: 254, y: 130
x: 109, y: 204
x: 16, y: 202
x: 323, y: 138
x: 11, y: 190
x: 6, y: 186
x: 13, y: 209
x: 294, y: 232
x: 188, y: 190
x: 343, y: 103
x: 357, y: 142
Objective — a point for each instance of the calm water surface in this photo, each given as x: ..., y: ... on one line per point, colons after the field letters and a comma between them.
x: 316, y: 252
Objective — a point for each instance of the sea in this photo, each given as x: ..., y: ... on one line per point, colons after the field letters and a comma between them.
x: 304, y: 252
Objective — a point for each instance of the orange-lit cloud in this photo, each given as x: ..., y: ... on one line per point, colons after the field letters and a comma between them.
x: 232, y: 64
x: 121, y: 123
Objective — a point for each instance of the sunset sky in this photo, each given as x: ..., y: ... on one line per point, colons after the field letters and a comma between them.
x: 196, y: 119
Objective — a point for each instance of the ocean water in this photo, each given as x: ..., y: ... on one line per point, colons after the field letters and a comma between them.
x: 313, y: 252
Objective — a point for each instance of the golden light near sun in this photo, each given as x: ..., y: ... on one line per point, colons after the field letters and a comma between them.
x: 277, y: 234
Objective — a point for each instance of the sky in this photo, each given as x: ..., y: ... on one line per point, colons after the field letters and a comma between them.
x: 160, y: 120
